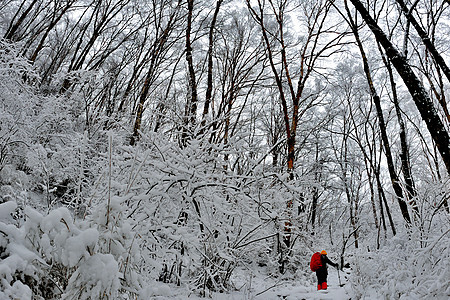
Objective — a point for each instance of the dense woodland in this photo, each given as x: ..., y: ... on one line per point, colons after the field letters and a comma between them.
x: 185, y: 141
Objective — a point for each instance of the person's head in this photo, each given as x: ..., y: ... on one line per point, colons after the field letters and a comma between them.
x: 323, y: 252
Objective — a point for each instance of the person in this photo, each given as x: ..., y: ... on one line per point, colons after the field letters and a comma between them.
x: 322, y: 272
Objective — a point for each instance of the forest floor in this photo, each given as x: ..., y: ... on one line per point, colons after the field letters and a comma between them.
x: 294, y: 290
x: 259, y: 287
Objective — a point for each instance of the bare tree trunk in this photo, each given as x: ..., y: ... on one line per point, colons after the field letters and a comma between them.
x: 315, y: 199
x: 425, y: 39
x: 315, y: 192
x: 259, y: 16
x: 282, y: 70
x: 13, y: 27
x: 382, y: 198
x: 387, y: 149
x: 162, y: 106
x: 209, y: 87
x: 191, y: 106
x: 227, y: 119
x: 423, y: 102
x: 351, y: 202
x: 55, y: 19
x: 100, y: 21
x: 404, y: 153
x: 158, y: 47
x: 137, y: 67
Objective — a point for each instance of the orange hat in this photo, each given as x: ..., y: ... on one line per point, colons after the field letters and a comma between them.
x: 323, y: 252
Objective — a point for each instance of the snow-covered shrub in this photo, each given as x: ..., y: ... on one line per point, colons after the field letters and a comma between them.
x: 42, y: 146
x: 96, y: 278
x: 119, y: 240
x: 176, y: 202
x: 16, y: 266
x: 16, y: 103
x: 414, y: 264
x: 195, y: 221
x: 50, y: 256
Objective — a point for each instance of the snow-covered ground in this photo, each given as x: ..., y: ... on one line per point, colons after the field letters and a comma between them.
x: 265, y: 288
x: 298, y: 290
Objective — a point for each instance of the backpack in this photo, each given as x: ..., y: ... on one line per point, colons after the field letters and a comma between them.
x: 316, y: 262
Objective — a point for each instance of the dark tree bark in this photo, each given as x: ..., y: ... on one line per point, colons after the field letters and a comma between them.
x: 209, y: 87
x: 382, y: 199
x: 162, y: 106
x: 423, y: 102
x: 55, y: 19
x: 315, y: 190
x: 13, y: 27
x: 375, y: 166
x: 240, y: 72
x: 346, y: 178
x: 102, y: 16
x: 290, y: 128
x: 282, y: 68
x: 387, y: 148
x: 155, y: 57
x: 404, y: 149
x: 425, y: 39
x: 382, y: 195
x: 191, y: 105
